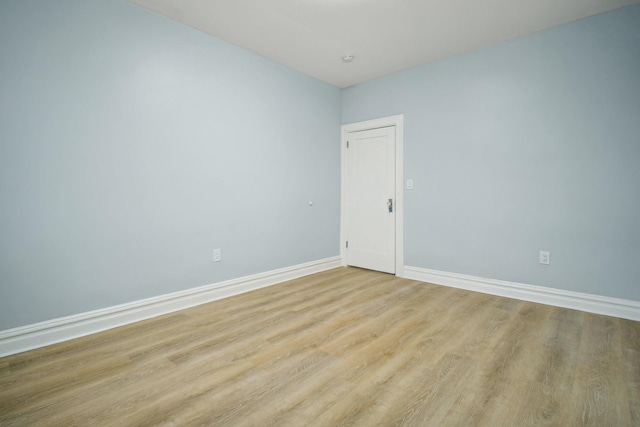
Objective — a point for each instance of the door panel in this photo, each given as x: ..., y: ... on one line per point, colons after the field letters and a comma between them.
x: 370, y: 185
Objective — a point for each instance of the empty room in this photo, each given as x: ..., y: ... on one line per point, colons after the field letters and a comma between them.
x: 319, y: 212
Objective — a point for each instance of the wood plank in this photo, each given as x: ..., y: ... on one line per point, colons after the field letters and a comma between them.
x: 342, y: 347
x: 599, y: 394
x: 551, y: 376
x: 630, y: 333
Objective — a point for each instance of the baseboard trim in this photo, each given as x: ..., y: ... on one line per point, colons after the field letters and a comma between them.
x: 23, y: 338
x: 626, y: 309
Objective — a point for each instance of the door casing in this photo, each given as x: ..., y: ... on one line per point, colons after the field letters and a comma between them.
x: 398, y: 123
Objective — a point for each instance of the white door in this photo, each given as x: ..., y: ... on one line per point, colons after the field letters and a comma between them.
x: 370, y: 199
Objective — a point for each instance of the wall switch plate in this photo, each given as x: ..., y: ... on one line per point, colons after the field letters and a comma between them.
x: 216, y: 255
x: 544, y: 257
x: 409, y: 184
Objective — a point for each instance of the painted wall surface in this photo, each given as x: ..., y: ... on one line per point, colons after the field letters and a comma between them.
x: 131, y: 146
x: 531, y: 144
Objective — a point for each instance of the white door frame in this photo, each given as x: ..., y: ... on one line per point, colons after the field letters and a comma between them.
x: 398, y: 122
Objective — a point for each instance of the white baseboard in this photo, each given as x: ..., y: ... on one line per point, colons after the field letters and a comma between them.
x: 626, y: 309
x: 41, y: 334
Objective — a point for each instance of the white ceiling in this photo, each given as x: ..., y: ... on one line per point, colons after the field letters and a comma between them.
x: 385, y: 36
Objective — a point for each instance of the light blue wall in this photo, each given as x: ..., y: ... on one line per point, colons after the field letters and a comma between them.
x: 131, y: 146
x: 527, y: 145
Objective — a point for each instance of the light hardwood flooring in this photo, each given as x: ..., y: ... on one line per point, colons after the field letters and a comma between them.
x: 343, y: 347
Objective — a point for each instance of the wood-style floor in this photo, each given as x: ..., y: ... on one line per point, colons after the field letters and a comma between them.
x: 343, y: 347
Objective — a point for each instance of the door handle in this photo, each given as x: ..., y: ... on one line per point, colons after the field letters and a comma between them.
x: 390, y: 205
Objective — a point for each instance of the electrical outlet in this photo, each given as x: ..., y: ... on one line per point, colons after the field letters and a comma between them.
x: 544, y: 257
x: 216, y: 255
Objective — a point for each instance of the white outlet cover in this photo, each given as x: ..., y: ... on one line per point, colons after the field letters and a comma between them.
x: 545, y: 257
